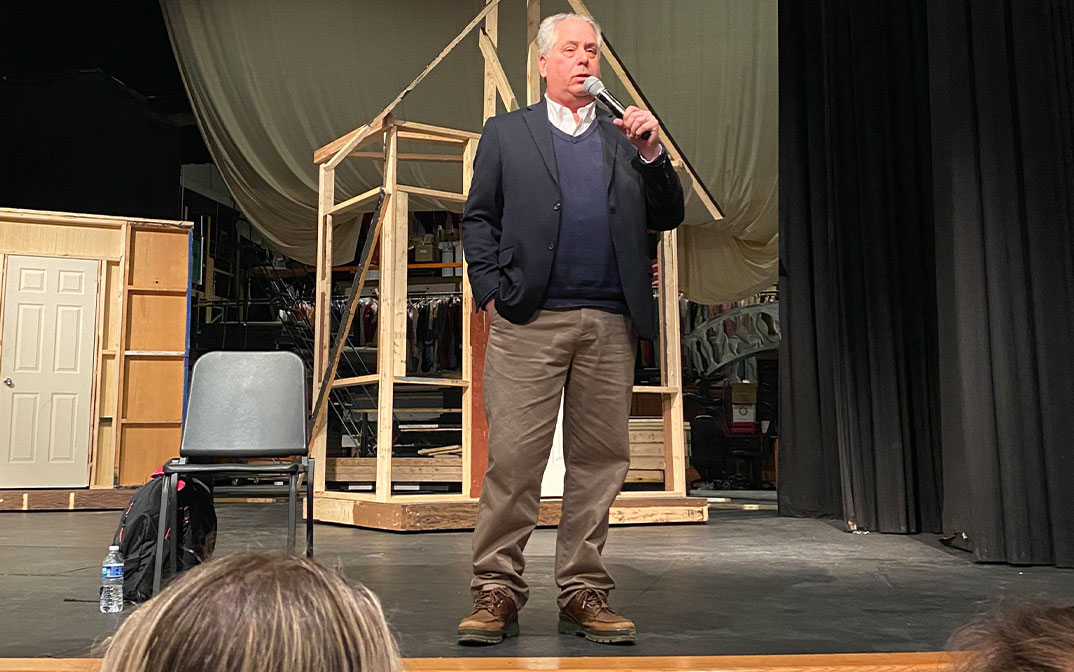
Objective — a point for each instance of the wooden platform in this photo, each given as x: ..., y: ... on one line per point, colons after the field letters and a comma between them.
x: 64, y: 500
x: 346, y: 509
x: 849, y: 662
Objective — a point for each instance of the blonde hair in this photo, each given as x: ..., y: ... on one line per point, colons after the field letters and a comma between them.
x: 256, y: 613
x: 1019, y: 638
x: 546, y: 33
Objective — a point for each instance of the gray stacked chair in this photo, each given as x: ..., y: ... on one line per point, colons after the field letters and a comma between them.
x: 242, y: 405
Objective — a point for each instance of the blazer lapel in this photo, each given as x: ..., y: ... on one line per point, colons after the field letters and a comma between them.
x: 537, y: 121
x: 610, y: 141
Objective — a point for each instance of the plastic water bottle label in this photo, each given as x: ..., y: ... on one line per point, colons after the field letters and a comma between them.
x: 112, y: 572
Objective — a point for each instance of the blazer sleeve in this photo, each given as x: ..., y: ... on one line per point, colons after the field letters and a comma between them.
x: 482, y: 218
x: 664, y: 209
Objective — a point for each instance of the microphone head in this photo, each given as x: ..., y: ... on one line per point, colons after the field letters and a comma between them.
x: 593, y: 86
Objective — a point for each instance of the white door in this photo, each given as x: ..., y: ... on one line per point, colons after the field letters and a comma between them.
x: 46, y: 372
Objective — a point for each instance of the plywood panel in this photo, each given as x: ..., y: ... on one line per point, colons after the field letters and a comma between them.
x: 113, y: 297
x: 156, y: 322
x: 154, y: 389
x: 107, y: 394
x: 51, y: 240
x: 144, y: 450
x: 420, y: 469
x: 159, y: 259
x: 105, y: 458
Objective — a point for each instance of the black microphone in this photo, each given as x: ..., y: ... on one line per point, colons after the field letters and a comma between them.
x: 595, y: 88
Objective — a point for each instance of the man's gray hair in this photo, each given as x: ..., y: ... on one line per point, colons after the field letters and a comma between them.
x: 546, y: 34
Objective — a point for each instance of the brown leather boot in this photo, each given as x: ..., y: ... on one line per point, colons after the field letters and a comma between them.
x: 495, y: 616
x: 587, y: 614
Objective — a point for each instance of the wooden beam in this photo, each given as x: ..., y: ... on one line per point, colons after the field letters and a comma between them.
x: 350, y: 141
x: 433, y: 382
x: 351, y: 204
x: 355, y: 381
x: 468, y: 154
x: 447, y: 158
x: 499, y: 77
x: 674, y: 434
x: 639, y: 101
x: 433, y: 193
x: 354, y: 140
x: 414, y: 136
x: 78, y: 219
x: 533, y: 71
x: 416, y: 128
x: 492, y: 35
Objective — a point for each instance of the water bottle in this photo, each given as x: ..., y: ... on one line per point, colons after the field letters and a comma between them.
x: 112, y: 582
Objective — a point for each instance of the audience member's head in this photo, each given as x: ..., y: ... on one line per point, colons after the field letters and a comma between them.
x: 256, y: 613
x: 1027, y: 638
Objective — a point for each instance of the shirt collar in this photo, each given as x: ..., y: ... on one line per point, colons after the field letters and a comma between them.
x: 562, y: 118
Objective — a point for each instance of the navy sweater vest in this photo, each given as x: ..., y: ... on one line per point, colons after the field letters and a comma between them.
x: 584, y: 271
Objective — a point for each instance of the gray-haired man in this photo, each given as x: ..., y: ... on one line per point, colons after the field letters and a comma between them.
x: 555, y: 236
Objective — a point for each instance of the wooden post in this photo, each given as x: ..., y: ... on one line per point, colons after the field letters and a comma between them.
x: 387, y: 315
x: 533, y: 72
x: 322, y: 312
x: 671, y: 374
x: 469, y: 150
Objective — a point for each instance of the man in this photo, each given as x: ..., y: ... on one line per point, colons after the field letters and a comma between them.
x: 555, y: 234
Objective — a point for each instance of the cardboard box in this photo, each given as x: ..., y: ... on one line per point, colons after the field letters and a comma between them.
x: 743, y: 393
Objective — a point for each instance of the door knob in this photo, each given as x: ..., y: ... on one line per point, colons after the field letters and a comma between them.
x: 9, y: 382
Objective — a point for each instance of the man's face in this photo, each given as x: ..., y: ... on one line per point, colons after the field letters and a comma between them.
x: 572, y: 58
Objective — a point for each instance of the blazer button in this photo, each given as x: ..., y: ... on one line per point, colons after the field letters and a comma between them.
x: 556, y: 206
x: 551, y: 245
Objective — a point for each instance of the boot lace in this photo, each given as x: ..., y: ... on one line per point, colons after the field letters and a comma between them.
x: 594, y: 598
x: 488, y: 600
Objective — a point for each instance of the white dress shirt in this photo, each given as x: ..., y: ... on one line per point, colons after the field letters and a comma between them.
x: 562, y: 118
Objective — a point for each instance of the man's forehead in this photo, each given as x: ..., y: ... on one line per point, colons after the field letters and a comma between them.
x: 576, y: 24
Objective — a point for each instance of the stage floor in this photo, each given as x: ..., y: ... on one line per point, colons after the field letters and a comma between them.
x: 745, y: 583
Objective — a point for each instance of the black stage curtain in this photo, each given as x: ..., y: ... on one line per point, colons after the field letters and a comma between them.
x: 926, y: 178
x: 83, y: 142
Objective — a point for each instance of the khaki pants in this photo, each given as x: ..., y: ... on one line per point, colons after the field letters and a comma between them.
x: 589, y: 353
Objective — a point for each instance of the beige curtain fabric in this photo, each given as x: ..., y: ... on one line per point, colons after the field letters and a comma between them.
x: 272, y: 80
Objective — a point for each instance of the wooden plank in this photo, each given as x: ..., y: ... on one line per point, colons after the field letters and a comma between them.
x: 155, y: 323
x: 429, y: 138
x: 336, y: 147
x: 450, y: 196
x: 122, y: 288
x: 433, y: 130
x: 145, y: 447
x: 160, y: 259
x: 326, y: 198
x: 351, y: 204
x: 674, y: 434
x: 495, y: 71
x: 154, y: 389
x: 533, y: 71
x: 355, y: 381
x: 98, y: 362
x: 432, y: 382
x: 417, y: 513
x: 64, y: 499
x: 80, y: 219
x: 395, y: 226
x: 654, y: 389
x: 51, y: 239
x: 491, y: 32
x: 645, y: 476
x: 404, y: 469
x: 639, y: 101
x: 411, y: 156
x: 334, y: 152
x: 469, y: 152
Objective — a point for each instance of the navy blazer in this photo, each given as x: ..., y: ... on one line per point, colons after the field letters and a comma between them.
x: 510, y: 228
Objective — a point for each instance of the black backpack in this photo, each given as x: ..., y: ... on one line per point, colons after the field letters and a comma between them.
x: 136, y: 535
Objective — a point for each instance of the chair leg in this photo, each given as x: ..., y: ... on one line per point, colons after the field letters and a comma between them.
x: 309, y: 507
x: 162, y: 526
x: 292, y: 511
x: 173, y: 537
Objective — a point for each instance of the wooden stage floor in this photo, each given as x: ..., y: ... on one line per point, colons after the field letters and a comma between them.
x: 869, y: 662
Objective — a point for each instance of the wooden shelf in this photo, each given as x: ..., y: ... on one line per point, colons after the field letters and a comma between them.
x: 164, y: 291
x: 162, y: 354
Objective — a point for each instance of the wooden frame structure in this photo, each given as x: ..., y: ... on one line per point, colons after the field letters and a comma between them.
x: 140, y: 343
x: 381, y: 508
